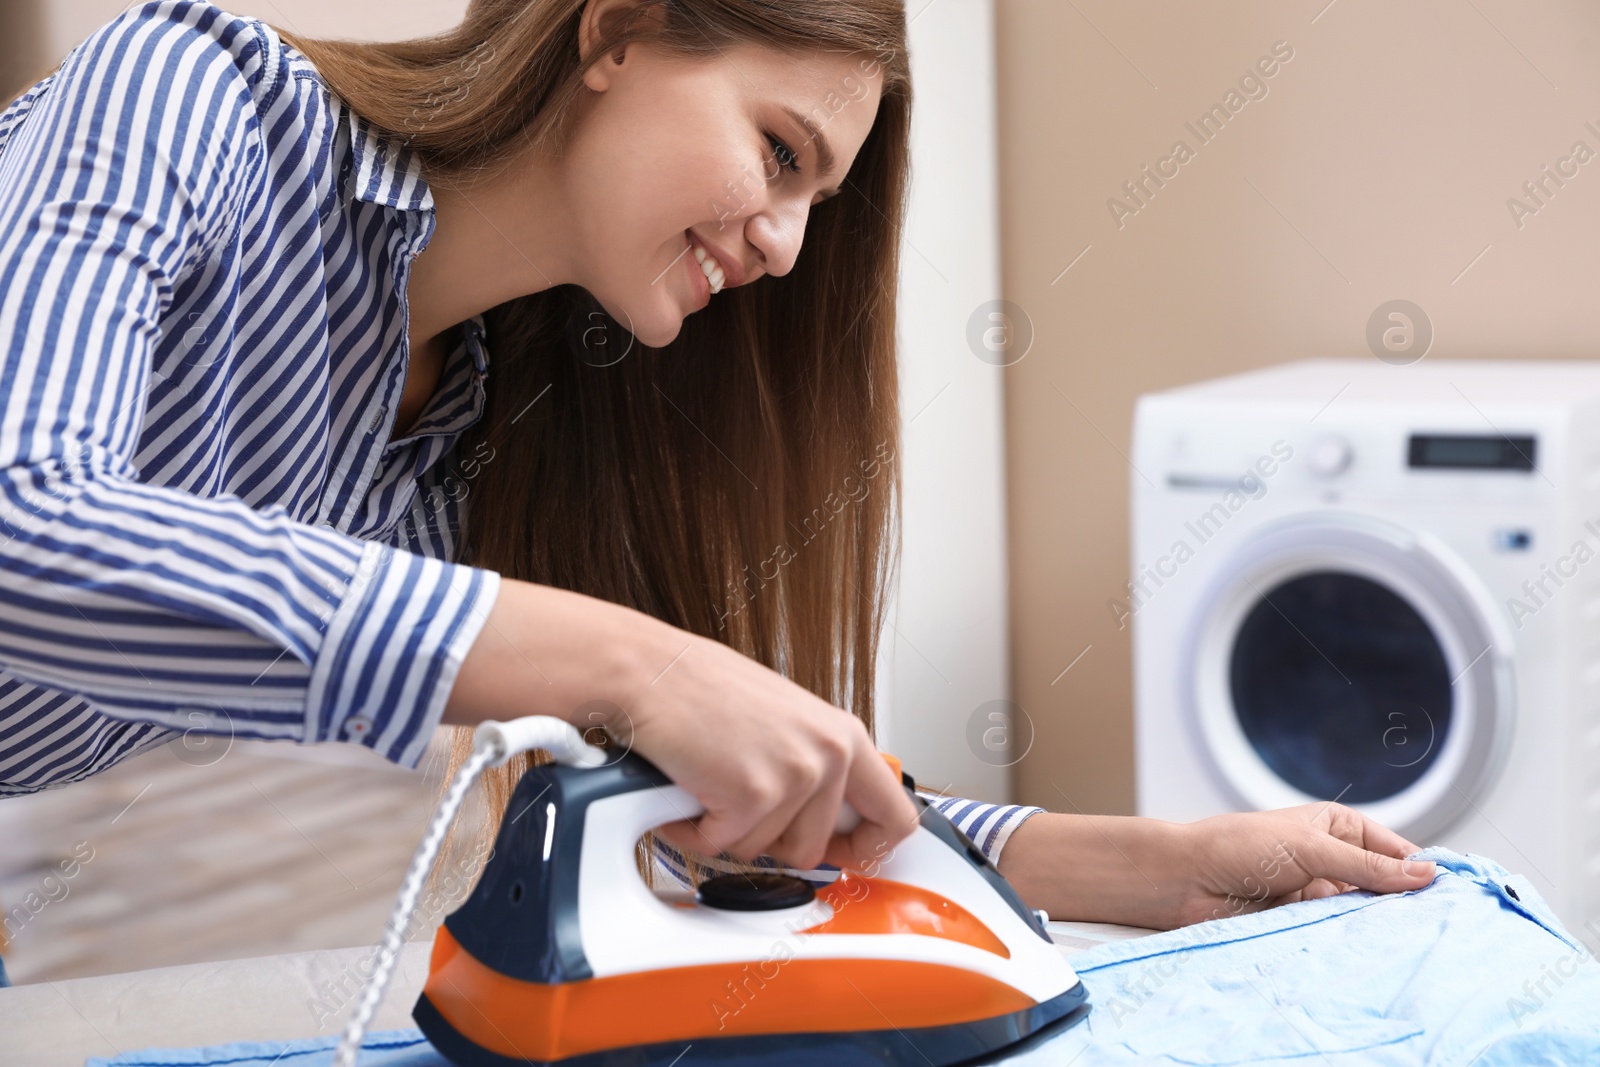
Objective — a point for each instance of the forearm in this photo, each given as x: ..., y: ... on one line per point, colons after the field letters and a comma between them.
x: 548, y: 651
x: 1100, y: 868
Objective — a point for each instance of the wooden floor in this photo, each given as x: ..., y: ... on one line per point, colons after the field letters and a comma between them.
x: 273, y: 847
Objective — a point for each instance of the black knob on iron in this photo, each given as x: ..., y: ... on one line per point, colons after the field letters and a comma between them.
x: 755, y: 892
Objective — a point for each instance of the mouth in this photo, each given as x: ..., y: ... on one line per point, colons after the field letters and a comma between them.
x: 722, y: 273
x: 699, y: 284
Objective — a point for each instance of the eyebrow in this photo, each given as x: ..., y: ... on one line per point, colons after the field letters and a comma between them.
x: 824, y: 149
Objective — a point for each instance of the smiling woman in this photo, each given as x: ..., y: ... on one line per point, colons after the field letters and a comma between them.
x: 252, y: 286
x: 612, y: 182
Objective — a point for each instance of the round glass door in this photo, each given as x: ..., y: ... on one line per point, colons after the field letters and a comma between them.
x: 1341, y: 687
x: 1338, y: 657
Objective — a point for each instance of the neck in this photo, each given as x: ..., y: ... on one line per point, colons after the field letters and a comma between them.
x: 491, y: 243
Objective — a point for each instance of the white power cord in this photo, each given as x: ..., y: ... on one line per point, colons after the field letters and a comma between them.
x: 493, y: 743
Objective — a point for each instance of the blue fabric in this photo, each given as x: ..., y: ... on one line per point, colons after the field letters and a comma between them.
x: 1474, y: 968
x: 4, y: 980
x: 385, y: 1048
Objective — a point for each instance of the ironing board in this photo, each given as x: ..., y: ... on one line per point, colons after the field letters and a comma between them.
x: 61, y: 1024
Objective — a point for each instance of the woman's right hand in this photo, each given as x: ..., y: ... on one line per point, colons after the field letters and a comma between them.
x: 770, y: 761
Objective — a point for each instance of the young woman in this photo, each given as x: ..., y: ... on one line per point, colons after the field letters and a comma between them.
x: 254, y: 479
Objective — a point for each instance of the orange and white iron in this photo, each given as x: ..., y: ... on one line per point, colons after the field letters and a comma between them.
x: 562, y: 955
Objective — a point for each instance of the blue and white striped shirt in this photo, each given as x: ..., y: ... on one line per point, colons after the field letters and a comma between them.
x: 204, y: 333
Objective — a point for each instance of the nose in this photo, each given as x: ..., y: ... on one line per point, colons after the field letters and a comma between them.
x: 778, y: 234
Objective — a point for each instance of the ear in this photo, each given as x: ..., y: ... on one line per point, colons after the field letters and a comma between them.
x: 600, y: 19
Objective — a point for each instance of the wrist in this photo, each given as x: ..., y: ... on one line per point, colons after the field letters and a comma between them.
x: 1122, y: 869
x: 549, y: 651
x: 638, y: 649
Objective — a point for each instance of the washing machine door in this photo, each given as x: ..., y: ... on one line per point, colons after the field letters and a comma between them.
x: 1340, y: 657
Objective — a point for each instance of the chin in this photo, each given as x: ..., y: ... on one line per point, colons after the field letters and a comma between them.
x: 659, y: 336
x: 660, y: 329
x: 657, y: 330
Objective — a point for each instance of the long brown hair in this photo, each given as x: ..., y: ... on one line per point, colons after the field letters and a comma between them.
x: 742, y: 482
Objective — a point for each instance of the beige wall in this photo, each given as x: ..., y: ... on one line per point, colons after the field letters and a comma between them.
x: 34, y: 34
x: 1378, y: 166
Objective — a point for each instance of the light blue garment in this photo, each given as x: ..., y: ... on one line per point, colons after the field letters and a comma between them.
x: 1472, y: 969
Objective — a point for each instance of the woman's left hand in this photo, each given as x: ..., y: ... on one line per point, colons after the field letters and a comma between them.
x: 1249, y: 861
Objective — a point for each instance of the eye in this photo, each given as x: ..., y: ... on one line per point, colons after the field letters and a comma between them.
x: 781, y: 151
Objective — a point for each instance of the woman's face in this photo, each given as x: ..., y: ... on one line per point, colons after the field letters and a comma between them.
x: 669, y: 151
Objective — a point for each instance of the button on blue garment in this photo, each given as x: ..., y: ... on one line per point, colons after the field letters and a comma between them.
x: 1474, y: 969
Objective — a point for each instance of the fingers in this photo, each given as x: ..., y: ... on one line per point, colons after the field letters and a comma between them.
x: 1332, y: 858
x: 1318, y: 888
x: 798, y: 831
x: 771, y: 811
x: 888, y: 815
x: 804, y: 842
x: 722, y: 828
x: 1352, y: 826
x: 686, y: 834
x: 794, y: 823
x: 857, y: 851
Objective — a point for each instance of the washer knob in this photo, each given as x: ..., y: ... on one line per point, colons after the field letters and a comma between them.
x: 1330, y: 456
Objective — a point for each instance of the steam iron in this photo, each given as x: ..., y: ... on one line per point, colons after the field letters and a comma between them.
x: 562, y: 955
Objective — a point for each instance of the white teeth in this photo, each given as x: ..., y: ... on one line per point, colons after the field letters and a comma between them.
x: 710, y: 268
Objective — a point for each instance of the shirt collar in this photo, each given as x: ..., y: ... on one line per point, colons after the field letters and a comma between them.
x: 474, y: 329
x: 461, y: 379
x: 383, y: 170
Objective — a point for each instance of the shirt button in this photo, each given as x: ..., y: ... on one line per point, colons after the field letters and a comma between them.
x: 357, y: 726
x: 377, y: 418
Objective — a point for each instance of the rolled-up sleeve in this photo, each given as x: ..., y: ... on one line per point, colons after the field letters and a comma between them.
x: 153, y: 603
x: 989, y: 826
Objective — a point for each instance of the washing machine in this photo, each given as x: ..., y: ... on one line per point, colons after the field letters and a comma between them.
x: 1379, y: 585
